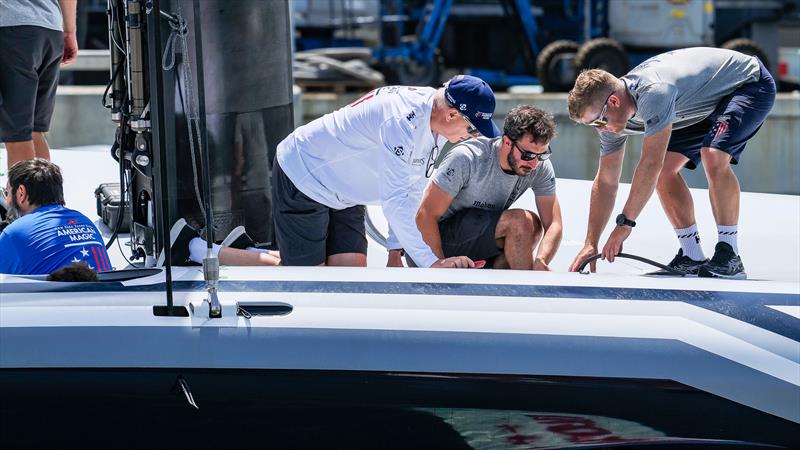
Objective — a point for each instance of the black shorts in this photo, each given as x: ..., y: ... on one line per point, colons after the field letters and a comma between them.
x: 736, y: 119
x: 308, y: 232
x: 29, y: 62
x: 471, y: 233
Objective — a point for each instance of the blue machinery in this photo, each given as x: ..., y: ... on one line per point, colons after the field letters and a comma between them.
x: 511, y: 42
x: 415, y: 61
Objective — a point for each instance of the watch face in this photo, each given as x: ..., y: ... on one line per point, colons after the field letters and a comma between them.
x: 621, y: 219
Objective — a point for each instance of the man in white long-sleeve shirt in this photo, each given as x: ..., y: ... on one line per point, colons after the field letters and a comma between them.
x: 378, y: 150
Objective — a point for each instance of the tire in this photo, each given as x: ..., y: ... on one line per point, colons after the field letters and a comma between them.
x: 603, y: 53
x: 554, y: 66
x: 411, y: 73
x: 748, y: 47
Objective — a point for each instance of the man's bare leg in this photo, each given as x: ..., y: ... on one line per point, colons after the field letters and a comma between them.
x: 500, y: 262
x: 40, y: 146
x: 25, y: 150
x: 520, y: 230
x: 19, y: 151
x: 674, y: 193
x: 347, y: 259
x: 723, y: 186
x: 724, y: 193
x: 236, y: 257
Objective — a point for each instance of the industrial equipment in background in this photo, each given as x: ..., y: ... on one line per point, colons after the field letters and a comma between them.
x: 511, y: 42
x: 199, y: 114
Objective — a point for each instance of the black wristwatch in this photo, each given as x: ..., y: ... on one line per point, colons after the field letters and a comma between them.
x: 622, y: 221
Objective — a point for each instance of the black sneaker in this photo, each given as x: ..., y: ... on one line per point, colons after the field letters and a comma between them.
x: 683, y: 264
x: 179, y: 237
x: 238, y: 238
x: 724, y: 264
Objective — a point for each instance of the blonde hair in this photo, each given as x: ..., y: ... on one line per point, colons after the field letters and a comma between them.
x: 591, y: 88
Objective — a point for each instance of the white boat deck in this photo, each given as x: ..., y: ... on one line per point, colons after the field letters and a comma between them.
x: 769, y: 240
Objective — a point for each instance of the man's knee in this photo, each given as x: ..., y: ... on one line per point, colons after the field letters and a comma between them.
x: 715, y: 161
x: 520, y: 221
x: 673, y: 163
x: 347, y: 260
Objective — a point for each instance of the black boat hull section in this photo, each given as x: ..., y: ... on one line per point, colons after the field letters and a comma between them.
x: 141, y: 408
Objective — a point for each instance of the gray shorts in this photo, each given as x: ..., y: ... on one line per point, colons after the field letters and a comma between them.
x: 29, y: 63
x: 308, y: 232
x: 471, y: 233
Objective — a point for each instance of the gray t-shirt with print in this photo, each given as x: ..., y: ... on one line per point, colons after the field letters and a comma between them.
x: 40, y: 13
x: 681, y: 87
x: 471, y: 173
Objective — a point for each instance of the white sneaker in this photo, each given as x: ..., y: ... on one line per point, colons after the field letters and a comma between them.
x: 238, y: 238
x: 179, y: 236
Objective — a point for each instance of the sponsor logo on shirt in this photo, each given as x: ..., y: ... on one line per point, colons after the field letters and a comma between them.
x: 411, y: 116
x: 450, y: 172
x: 77, y: 233
x: 652, y: 120
x: 399, y: 151
x: 388, y: 90
x: 483, y: 205
x: 418, y: 162
x: 71, y: 221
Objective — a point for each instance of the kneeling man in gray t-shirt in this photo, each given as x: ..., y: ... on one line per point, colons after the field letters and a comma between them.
x: 464, y: 210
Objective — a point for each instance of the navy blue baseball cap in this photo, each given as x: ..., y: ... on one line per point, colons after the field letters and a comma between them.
x: 474, y: 99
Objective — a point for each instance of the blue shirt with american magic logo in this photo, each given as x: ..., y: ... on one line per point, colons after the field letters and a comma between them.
x: 49, y: 238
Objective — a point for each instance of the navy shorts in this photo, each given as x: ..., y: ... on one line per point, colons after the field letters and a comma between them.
x: 736, y: 119
x: 29, y: 63
x: 471, y: 232
x: 307, y: 232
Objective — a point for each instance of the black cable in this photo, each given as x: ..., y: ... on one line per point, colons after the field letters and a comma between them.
x: 629, y: 256
x: 108, y: 86
x: 121, y: 213
x: 119, y: 244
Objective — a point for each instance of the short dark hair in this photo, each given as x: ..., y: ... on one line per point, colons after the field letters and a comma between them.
x: 42, y: 180
x: 530, y: 119
x: 77, y: 271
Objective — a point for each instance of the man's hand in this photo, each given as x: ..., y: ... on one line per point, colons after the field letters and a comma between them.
x: 395, y: 259
x: 587, y: 251
x: 614, y: 244
x: 540, y: 264
x: 70, y: 48
x: 454, y: 262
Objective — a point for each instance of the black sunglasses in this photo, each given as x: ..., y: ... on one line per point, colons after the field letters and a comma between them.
x: 530, y: 156
x: 432, y: 160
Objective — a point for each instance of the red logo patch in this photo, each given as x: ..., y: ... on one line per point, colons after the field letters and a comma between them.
x: 72, y: 221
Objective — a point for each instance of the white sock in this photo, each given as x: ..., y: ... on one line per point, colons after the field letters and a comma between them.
x: 689, y: 239
x: 198, y: 249
x: 728, y: 234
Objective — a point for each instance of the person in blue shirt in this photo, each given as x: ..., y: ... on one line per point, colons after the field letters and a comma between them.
x: 47, y: 236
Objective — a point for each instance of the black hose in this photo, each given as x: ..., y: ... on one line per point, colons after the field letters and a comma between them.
x: 122, y: 189
x: 629, y: 256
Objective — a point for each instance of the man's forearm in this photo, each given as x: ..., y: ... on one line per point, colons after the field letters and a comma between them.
x: 429, y: 229
x: 550, y: 242
x: 642, y: 187
x: 69, y: 13
x: 600, y: 207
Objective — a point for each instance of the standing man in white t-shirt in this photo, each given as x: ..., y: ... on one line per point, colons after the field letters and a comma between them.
x: 379, y: 150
